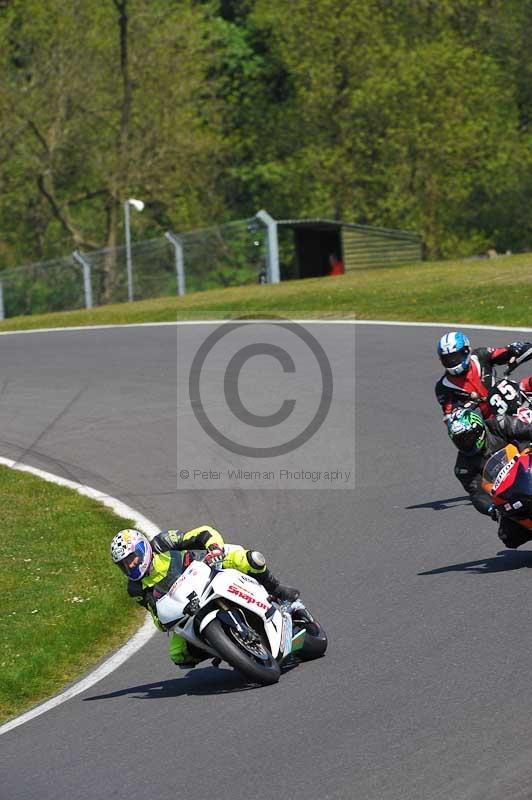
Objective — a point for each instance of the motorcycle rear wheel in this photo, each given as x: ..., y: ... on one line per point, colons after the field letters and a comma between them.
x: 264, y: 672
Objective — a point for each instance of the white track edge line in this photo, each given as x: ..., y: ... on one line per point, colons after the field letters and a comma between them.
x: 398, y: 323
x: 137, y: 640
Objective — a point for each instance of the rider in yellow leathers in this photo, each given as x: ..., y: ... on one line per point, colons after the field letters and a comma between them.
x: 152, y: 566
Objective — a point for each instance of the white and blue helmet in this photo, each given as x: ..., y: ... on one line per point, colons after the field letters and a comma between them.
x: 132, y: 552
x: 454, y: 352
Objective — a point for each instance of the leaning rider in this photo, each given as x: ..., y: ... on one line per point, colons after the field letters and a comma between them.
x: 477, y: 439
x: 153, y: 565
x: 469, y: 374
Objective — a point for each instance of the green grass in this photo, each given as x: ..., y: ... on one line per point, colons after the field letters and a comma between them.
x: 485, y: 291
x: 63, y: 603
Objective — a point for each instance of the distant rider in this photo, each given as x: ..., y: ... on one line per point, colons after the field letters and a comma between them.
x: 469, y: 374
x: 477, y: 439
x: 152, y: 566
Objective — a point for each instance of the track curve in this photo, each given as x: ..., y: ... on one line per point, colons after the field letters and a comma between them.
x: 424, y: 691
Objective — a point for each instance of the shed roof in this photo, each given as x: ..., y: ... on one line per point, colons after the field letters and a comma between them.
x: 331, y: 224
x: 311, y: 223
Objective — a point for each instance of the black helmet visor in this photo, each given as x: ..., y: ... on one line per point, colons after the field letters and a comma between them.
x: 467, y: 441
x: 454, y: 359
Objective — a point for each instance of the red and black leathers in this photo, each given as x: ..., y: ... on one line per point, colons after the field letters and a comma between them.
x: 500, y: 431
x: 453, y: 391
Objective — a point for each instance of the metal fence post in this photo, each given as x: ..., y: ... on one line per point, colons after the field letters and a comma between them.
x: 273, y: 246
x: 179, y: 262
x: 87, y: 279
x: 129, y: 264
x: 2, y: 311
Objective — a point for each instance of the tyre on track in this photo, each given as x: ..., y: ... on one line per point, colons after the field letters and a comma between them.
x: 266, y: 672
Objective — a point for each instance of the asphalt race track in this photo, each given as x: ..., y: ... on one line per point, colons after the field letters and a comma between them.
x: 426, y: 690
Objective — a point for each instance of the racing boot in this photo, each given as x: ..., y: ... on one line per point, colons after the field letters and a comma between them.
x: 513, y: 535
x: 275, y: 588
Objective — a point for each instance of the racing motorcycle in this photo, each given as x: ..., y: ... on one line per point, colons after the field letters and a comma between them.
x: 229, y: 615
x: 507, y: 478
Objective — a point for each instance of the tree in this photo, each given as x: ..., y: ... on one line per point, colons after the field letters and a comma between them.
x: 391, y: 126
x: 103, y: 100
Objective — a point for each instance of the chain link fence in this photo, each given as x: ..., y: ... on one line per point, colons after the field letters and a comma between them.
x: 152, y: 272
x: 234, y: 254
x: 55, y: 285
x: 229, y: 255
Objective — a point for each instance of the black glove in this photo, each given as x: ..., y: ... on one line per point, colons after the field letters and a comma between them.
x: 518, y: 349
x: 492, y: 512
x: 148, y: 600
x: 135, y: 589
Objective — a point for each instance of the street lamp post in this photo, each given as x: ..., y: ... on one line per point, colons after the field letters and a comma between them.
x: 139, y: 205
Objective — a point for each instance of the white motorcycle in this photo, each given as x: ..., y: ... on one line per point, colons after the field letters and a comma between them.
x: 231, y: 616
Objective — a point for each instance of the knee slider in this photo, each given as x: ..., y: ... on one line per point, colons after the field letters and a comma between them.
x: 255, y: 559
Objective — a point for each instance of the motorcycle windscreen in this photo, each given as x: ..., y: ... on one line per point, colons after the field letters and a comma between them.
x: 497, y: 462
x: 518, y: 485
x: 176, y: 562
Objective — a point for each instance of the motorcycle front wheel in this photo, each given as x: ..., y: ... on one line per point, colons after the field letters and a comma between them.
x: 261, y: 671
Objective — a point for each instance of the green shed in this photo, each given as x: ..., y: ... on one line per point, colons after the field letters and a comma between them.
x: 319, y: 243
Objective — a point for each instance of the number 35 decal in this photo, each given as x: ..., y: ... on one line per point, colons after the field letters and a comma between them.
x: 505, y: 397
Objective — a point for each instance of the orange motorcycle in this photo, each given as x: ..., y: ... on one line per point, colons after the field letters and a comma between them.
x: 507, y: 478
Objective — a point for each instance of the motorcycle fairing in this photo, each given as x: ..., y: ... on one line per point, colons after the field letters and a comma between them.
x: 171, y: 607
x: 495, y: 464
x: 246, y: 592
x: 241, y: 590
x: 507, y: 478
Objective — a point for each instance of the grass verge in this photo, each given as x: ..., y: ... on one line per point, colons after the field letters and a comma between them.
x: 485, y: 291
x: 63, y: 603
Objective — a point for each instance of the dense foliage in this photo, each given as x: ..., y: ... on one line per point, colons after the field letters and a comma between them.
x: 414, y: 114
